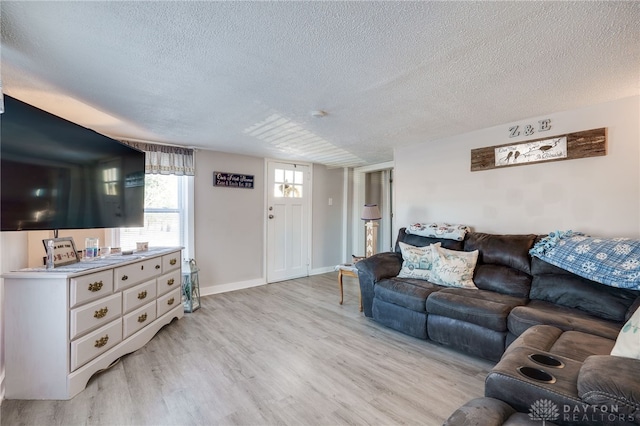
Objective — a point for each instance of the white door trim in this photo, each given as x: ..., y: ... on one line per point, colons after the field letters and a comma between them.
x: 358, y: 202
x: 309, y: 214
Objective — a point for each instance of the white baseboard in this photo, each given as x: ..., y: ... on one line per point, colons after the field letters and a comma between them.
x: 318, y: 271
x: 223, y: 288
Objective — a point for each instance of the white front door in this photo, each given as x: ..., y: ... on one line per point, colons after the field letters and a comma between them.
x: 288, y: 207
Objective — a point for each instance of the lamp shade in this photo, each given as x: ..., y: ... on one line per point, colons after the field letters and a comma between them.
x: 371, y: 212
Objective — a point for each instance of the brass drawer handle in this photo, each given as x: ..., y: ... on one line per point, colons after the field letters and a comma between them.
x: 142, y: 294
x: 100, y: 313
x: 142, y: 318
x: 170, y: 281
x: 102, y: 341
x: 170, y: 301
x: 124, y: 278
x: 172, y: 262
x: 95, y: 286
x: 157, y: 266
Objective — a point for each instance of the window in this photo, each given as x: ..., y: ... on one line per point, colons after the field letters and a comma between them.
x: 165, y: 214
x: 288, y: 183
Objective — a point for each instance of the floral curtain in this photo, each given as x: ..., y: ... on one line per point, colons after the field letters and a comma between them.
x: 165, y: 159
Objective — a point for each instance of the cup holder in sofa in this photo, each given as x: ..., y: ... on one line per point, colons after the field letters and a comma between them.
x: 536, y: 374
x: 547, y: 360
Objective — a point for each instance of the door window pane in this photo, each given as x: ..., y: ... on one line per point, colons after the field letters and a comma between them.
x: 287, y: 183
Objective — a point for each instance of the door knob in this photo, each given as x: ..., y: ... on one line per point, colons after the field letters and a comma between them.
x: 271, y: 216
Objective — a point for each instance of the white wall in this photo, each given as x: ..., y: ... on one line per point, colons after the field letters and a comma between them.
x: 599, y: 195
x: 327, y: 220
x: 230, y: 222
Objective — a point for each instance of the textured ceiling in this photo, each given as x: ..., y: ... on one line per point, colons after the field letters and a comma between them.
x: 244, y: 77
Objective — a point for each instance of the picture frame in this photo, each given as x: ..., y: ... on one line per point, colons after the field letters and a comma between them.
x: 64, y: 251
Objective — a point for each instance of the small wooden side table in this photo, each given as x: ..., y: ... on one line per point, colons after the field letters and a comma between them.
x: 349, y: 270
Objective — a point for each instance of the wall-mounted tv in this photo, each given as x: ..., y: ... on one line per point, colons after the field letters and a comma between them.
x: 59, y: 175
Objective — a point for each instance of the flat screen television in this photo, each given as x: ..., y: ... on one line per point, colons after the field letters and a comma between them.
x: 59, y: 175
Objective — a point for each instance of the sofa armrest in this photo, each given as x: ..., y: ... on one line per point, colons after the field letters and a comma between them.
x: 373, y: 269
x: 481, y: 411
x: 611, y: 381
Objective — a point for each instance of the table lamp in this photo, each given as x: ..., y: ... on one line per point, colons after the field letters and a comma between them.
x: 371, y: 214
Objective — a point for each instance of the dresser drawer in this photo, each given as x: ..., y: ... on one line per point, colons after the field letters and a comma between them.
x: 169, y: 301
x: 90, y: 287
x: 127, y: 276
x: 171, y: 261
x: 90, y: 346
x: 169, y: 281
x: 138, y: 296
x: 94, y: 315
x: 137, y: 319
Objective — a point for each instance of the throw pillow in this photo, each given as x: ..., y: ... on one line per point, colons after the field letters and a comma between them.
x: 453, y: 268
x: 628, y: 341
x: 445, y: 231
x: 417, y: 261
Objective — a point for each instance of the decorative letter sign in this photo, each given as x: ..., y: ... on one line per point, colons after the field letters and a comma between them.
x: 232, y: 180
x: 528, y: 130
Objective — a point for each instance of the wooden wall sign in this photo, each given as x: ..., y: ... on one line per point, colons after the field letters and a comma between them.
x: 232, y: 180
x: 589, y: 143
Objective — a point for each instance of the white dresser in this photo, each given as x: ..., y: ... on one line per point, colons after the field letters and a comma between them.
x: 63, y: 326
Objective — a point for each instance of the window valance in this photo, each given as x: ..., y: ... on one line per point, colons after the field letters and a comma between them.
x: 165, y: 159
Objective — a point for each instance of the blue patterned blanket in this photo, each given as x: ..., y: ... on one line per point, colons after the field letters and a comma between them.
x: 614, y: 261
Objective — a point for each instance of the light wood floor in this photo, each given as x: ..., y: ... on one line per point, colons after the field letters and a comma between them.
x: 282, y: 354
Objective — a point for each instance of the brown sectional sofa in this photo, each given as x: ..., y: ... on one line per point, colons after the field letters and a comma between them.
x: 522, y: 306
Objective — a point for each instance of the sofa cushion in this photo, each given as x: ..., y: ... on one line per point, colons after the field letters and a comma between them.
x: 481, y: 307
x: 506, y: 250
x: 561, y: 287
x: 502, y: 279
x: 406, y: 292
x: 541, y: 337
x: 539, y: 312
x: 467, y: 337
x: 417, y: 262
x: 628, y: 341
x: 632, y: 309
x: 453, y: 268
x: 400, y: 318
x: 579, y: 346
x: 420, y: 241
x: 569, y: 344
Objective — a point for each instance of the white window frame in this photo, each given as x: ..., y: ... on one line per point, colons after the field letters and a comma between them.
x: 186, y: 191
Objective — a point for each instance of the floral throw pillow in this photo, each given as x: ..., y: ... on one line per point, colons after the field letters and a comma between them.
x: 417, y: 261
x: 446, y: 231
x: 453, y: 268
x: 628, y: 341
